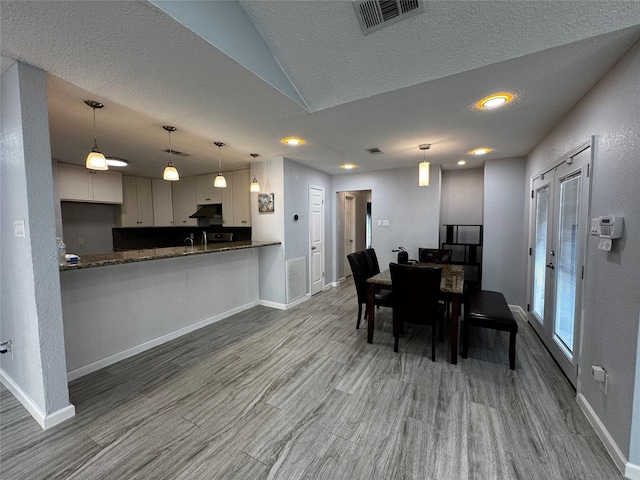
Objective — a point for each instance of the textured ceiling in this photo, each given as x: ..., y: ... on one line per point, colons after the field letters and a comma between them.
x: 410, y: 83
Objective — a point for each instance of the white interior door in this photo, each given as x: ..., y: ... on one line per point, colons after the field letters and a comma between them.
x: 558, y: 238
x: 316, y: 234
x: 349, y: 230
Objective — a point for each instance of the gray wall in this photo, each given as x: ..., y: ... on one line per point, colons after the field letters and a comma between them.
x: 31, y: 313
x: 91, y: 221
x: 413, y: 212
x: 610, y: 111
x: 504, y: 257
x: 270, y: 226
x: 297, y: 179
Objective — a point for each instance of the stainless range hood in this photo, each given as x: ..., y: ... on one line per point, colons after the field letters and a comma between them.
x: 208, y: 215
x: 208, y: 211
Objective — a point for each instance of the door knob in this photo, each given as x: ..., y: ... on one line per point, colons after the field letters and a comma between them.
x: 550, y: 265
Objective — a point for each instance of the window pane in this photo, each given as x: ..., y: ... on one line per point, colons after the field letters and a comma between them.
x: 540, y: 253
x: 567, y: 268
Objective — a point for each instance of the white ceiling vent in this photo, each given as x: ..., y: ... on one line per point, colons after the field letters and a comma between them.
x: 375, y: 14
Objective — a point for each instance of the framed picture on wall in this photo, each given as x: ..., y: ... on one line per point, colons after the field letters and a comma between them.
x: 265, y: 202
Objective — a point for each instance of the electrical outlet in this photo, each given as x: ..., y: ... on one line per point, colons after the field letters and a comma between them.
x: 80, y: 240
x: 385, y: 223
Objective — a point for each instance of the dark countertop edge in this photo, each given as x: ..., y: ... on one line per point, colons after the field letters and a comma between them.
x: 133, y: 256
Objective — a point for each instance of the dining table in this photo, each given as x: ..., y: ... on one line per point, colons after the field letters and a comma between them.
x: 451, y: 284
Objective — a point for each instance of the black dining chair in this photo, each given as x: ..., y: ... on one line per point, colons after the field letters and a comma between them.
x: 372, y: 260
x: 434, y: 255
x: 360, y: 270
x: 415, y: 299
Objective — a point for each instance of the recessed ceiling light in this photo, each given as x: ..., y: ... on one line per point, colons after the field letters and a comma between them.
x: 116, y: 162
x: 495, y: 100
x: 348, y: 166
x: 461, y: 162
x: 480, y: 151
x: 293, y: 141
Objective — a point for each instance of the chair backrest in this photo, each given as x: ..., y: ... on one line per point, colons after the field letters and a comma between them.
x: 415, y: 293
x: 360, y: 270
x: 434, y: 255
x: 372, y: 259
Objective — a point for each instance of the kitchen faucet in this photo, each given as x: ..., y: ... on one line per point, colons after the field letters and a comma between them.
x: 204, y: 238
x: 190, y: 239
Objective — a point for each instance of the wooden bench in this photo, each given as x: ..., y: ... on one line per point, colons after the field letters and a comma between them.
x: 488, y: 309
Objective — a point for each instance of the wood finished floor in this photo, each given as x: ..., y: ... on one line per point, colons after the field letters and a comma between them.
x: 268, y: 394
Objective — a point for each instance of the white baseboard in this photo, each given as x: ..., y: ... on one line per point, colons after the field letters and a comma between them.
x: 632, y: 471
x: 45, y: 420
x: 606, y: 438
x: 518, y: 310
x: 285, y: 306
x: 267, y: 303
x: 105, y: 362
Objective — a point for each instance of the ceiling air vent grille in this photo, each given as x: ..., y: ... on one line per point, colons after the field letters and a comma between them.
x: 375, y: 14
x: 374, y: 150
x: 177, y: 153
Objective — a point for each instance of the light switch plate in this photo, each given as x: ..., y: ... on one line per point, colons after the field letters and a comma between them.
x: 18, y: 229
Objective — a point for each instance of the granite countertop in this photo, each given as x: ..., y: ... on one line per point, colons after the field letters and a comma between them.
x: 130, y: 256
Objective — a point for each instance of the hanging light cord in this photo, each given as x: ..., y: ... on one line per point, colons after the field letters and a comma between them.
x: 171, y: 164
x: 95, y: 138
x: 219, y: 162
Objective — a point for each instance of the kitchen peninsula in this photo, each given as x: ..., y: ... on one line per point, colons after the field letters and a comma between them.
x: 119, y: 304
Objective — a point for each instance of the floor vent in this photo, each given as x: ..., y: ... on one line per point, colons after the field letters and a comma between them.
x: 296, y: 279
x: 375, y: 14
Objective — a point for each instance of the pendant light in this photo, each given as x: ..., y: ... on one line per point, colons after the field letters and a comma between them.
x: 255, y: 186
x: 170, y: 173
x: 219, y: 181
x: 95, y: 159
x: 423, y: 174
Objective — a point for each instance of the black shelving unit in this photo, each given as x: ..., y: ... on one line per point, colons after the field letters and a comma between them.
x: 465, y: 241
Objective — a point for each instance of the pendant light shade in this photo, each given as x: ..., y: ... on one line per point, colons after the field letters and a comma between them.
x: 95, y: 159
x: 219, y: 181
x: 255, y: 186
x: 423, y: 172
x: 170, y: 173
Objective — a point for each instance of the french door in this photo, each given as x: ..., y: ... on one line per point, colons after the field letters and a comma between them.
x: 560, y: 208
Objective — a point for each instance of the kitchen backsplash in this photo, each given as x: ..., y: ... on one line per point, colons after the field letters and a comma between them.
x: 157, y: 237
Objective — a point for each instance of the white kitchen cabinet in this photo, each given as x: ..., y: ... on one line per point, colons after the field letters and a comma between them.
x: 227, y: 202
x: 206, y: 193
x: 78, y: 184
x: 162, y: 203
x: 137, y: 204
x: 241, y: 199
x: 184, y: 201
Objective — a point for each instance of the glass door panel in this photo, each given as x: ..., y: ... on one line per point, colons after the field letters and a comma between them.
x: 540, y: 250
x: 567, y: 265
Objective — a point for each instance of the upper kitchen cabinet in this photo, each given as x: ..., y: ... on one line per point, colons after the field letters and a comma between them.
x: 137, y: 205
x: 184, y: 201
x: 78, y: 184
x: 241, y: 199
x: 162, y: 203
x: 206, y: 193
